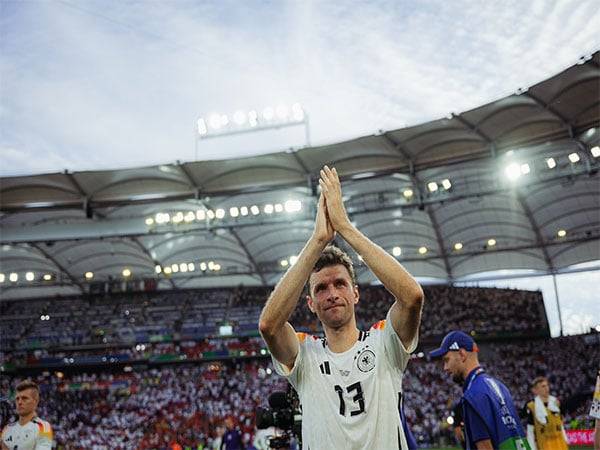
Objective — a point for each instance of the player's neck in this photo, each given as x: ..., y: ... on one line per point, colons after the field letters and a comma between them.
x: 342, y: 339
x: 27, y: 418
x: 545, y: 399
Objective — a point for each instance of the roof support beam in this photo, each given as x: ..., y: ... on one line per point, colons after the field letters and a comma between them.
x: 249, y: 256
x: 536, y: 229
x: 59, y: 266
x: 429, y: 208
x: 137, y: 242
x: 475, y: 130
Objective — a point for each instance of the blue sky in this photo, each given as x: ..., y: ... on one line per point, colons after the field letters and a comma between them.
x: 113, y: 84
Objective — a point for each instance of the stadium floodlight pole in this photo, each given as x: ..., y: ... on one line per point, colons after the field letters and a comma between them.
x: 560, y: 323
x: 220, y: 125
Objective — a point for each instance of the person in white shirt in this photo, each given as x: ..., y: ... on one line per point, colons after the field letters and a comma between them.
x: 350, y: 382
x: 29, y: 432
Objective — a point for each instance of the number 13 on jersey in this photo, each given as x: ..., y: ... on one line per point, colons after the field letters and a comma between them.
x: 358, y: 398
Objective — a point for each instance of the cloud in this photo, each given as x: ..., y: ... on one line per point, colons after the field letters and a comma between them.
x: 108, y: 87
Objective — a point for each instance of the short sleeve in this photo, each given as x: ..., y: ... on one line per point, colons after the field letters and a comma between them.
x: 595, y: 409
x: 476, y: 426
x: 294, y: 375
x: 44, y: 439
x: 395, y: 350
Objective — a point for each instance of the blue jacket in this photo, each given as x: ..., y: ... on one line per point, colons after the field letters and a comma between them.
x: 489, y: 413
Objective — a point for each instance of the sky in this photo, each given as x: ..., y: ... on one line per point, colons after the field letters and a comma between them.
x: 113, y: 84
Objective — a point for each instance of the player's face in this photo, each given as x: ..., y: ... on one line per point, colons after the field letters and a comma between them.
x: 26, y: 402
x: 332, y: 296
x: 453, y: 365
x: 542, y: 389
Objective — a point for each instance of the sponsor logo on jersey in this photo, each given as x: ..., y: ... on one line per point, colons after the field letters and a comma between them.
x: 366, y: 361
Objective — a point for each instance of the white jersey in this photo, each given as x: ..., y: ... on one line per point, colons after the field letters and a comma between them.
x: 351, y: 400
x: 34, y: 435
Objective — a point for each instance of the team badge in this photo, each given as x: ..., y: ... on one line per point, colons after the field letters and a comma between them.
x: 366, y: 361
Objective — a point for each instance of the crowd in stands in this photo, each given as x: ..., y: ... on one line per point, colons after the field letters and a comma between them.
x: 197, y: 314
x: 154, y: 403
x: 150, y: 408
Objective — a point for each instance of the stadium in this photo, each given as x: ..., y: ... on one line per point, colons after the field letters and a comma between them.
x: 132, y: 296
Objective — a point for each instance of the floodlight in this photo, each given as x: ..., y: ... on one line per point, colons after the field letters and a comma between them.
x: 574, y: 157
x: 595, y: 151
x: 513, y: 171
x: 491, y: 242
x: 189, y: 217
x: 220, y: 213
x: 14, y: 277
x: 239, y: 117
x: 293, y: 206
x: 224, y: 120
x: 255, y: 210
x: 178, y: 218
x: 268, y: 113
x: 396, y: 251
x: 284, y: 263
x: 217, y: 267
x: 149, y: 221
x: 253, y: 118
x: 183, y: 267
x: 268, y: 209
x: 174, y: 268
x: 422, y: 250
x: 561, y: 233
x: 282, y: 112
x: 202, y: 266
x: 157, y: 268
x: 126, y: 272
x: 167, y: 270
x: 29, y: 276
x: 551, y: 163
x: 278, y: 207
x: 408, y: 193
x: 211, y: 265
x: 215, y: 121
x: 244, y: 210
x: 200, y: 214
x: 191, y: 267
x: 47, y: 277
x: 202, y: 129
x: 234, y: 211
x: 450, y: 420
x: 297, y: 112
x: 458, y: 246
x: 89, y: 275
x: 210, y: 214
x: 293, y: 260
x: 525, y: 169
x: 432, y: 186
x: 2, y: 278
x: 446, y: 184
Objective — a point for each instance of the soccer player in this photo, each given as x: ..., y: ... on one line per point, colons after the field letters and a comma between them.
x: 489, y: 415
x: 350, y: 381
x: 544, y: 422
x: 29, y: 432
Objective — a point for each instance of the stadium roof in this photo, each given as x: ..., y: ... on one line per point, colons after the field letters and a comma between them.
x: 66, y: 224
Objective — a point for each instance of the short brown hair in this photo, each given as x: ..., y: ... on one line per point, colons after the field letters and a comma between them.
x: 332, y: 256
x: 538, y: 380
x: 28, y: 384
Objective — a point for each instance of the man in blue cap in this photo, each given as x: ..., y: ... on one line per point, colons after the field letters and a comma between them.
x: 490, y: 417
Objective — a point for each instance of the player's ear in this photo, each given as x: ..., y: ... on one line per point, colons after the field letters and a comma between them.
x: 356, y: 293
x: 310, y: 303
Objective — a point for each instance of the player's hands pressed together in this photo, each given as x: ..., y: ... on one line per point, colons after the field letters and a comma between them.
x: 323, y: 232
x: 332, y: 190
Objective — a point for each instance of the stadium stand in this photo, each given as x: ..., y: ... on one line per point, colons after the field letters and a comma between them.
x: 169, y: 387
